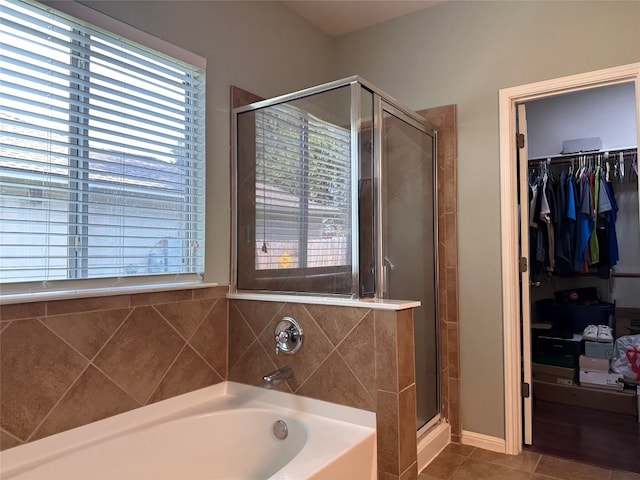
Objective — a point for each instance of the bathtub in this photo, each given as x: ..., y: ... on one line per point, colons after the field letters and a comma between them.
x: 225, y: 431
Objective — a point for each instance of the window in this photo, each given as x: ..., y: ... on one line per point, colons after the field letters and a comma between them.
x: 101, y: 153
x: 303, y: 191
x: 295, y: 196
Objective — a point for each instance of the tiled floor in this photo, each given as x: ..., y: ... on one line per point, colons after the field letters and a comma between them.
x: 461, y: 462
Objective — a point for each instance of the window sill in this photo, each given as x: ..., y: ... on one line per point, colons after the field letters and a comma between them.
x: 372, y: 303
x: 31, y: 297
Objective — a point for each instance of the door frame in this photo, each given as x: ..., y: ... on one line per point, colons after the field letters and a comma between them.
x: 512, y: 333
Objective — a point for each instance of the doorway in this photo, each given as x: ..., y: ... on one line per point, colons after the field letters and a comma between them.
x: 570, y: 410
x: 514, y: 322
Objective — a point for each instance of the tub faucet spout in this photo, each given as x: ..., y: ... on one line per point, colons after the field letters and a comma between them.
x: 276, y: 377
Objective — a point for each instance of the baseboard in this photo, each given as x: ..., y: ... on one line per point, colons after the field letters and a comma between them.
x: 486, y: 442
x: 432, y: 443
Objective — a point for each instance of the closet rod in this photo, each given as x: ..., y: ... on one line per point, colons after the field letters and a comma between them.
x: 626, y: 275
x: 566, y: 156
x: 612, y: 275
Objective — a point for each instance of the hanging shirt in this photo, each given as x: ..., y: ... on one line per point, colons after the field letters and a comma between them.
x: 611, y: 217
x: 546, y: 200
x: 584, y: 225
x: 604, y: 204
x: 594, y: 246
x: 563, y: 250
x: 571, y: 213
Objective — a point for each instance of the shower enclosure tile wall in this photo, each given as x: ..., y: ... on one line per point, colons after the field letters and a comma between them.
x: 444, y: 120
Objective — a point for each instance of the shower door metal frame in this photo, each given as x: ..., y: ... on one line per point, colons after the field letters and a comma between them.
x: 353, y: 82
x: 356, y: 102
x: 382, y: 101
x: 382, y: 105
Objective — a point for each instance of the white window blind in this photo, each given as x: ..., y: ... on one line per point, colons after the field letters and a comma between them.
x: 101, y: 153
x: 303, y: 191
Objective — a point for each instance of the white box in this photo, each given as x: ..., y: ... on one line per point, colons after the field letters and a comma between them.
x: 590, y: 364
x: 612, y: 381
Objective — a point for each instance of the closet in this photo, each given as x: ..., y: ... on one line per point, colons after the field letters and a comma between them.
x: 584, y: 269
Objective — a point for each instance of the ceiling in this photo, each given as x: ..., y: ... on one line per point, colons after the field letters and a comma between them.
x: 337, y: 17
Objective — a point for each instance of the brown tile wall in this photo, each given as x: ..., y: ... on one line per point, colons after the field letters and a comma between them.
x: 352, y: 356
x: 444, y: 120
x: 71, y: 362
x: 67, y: 363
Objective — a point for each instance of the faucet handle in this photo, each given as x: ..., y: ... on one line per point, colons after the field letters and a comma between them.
x: 282, y: 338
x: 288, y: 336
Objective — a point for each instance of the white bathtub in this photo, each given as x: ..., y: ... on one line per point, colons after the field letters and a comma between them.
x: 220, y: 432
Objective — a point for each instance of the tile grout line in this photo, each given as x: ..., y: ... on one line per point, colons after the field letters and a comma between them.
x: 337, y: 351
x: 535, y: 467
x: 69, y: 387
x: 187, y: 343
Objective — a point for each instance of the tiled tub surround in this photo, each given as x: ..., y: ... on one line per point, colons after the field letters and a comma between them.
x: 360, y: 357
x: 71, y: 362
x: 67, y: 363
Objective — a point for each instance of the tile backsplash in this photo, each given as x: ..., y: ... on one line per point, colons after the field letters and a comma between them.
x: 66, y: 363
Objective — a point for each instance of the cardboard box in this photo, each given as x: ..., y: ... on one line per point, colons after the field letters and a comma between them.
x: 597, y: 398
x: 553, y: 374
x: 612, y: 381
x: 598, y: 350
x: 590, y: 364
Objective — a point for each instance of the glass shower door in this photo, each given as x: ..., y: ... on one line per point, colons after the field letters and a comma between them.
x: 409, y: 241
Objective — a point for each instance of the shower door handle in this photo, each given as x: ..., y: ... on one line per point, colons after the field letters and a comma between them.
x: 387, y: 267
x: 387, y: 263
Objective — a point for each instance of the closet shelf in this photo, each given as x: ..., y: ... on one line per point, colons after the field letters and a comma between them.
x: 564, y: 156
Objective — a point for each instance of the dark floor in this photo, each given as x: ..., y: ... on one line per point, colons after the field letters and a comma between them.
x: 462, y: 462
x: 609, y: 440
x: 569, y: 443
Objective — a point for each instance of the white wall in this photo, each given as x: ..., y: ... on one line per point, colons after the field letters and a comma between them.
x: 607, y: 112
x: 260, y: 46
x: 462, y: 53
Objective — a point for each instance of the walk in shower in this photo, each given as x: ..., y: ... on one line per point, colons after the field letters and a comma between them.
x: 334, y: 194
